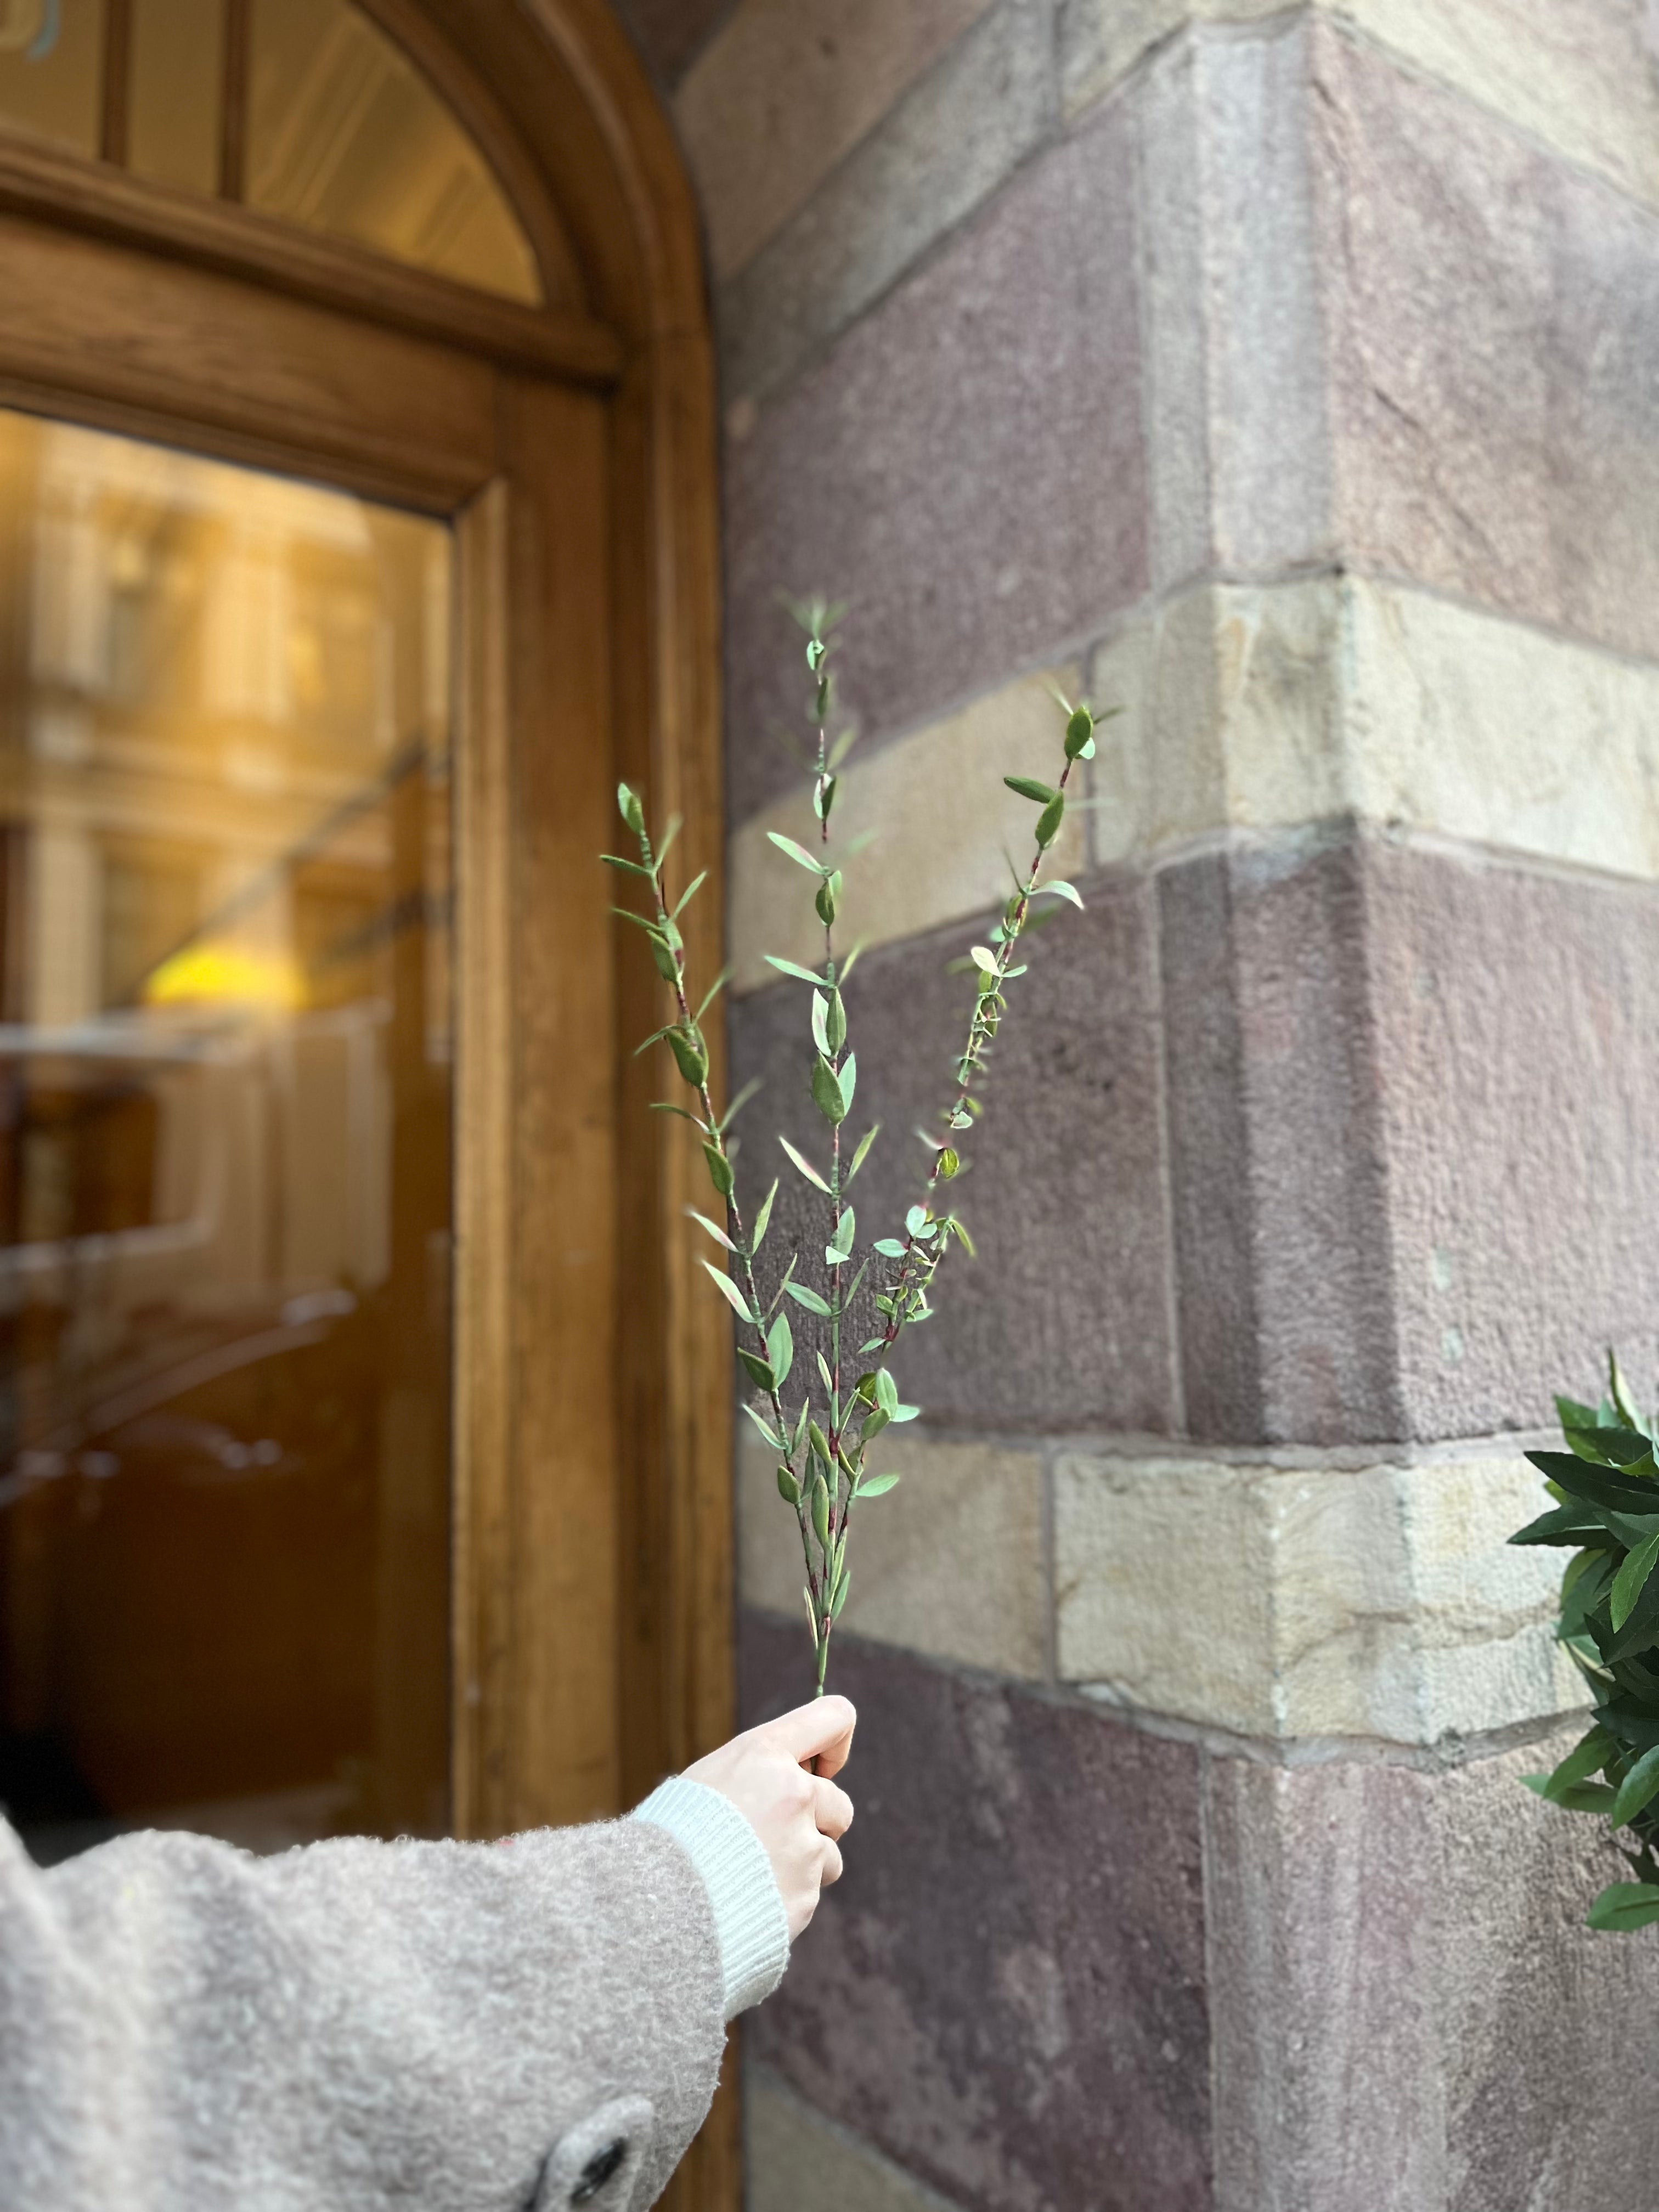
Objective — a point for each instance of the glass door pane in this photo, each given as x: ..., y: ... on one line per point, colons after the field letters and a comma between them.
x: 225, y: 1060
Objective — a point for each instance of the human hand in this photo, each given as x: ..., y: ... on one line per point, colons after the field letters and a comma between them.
x: 778, y: 1777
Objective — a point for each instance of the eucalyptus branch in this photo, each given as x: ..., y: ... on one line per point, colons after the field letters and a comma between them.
x: 822, y: 1462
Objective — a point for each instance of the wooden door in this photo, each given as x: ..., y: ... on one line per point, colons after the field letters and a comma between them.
x: 553, y: 425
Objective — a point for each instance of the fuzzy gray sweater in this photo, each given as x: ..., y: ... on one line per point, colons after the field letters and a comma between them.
x: 353, y: 2026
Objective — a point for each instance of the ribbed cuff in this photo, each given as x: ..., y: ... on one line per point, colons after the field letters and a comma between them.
x: 749, y: 1916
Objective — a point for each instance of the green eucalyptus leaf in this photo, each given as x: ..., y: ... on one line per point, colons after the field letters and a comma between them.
x: 887, y: 1396
x: 712, y: 993
x: 1060, y: 889
x: 835, y: 1022
x: 794, y: 968
x: 828, y: 895
x: 877, y: 1485
x: 690, y: 893
x: 718, y: 1234
x: 788, y: 1488
x: 777, y: 1442
x: 729, y: 1291
x: 742, y: 1099
x: 805, y: 1167
x: 864, y: 1144
x: 632, y: 812
x: 1027, y: 787
x: 1049, y: 820
x: 890, y: 1248
x: 849, y: 1080
x: 629, y: 867
x: 763, y: 1219
x: 781, y: 1349
x: 689, y: 1055
x: 839, y: 1249
x: 821, y: 1024
x: 720, y: 1170
x: 827, y: 1094
x: 804, y: 1295
x: 1078, y: 730
x: 821, y: 1516
x: 757, y: 1369
x: 797, y: 853
x: 983, y: 957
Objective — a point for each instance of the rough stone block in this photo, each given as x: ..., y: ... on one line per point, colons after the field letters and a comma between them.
x: 1374, y: 1601
x: 1408, y: 2013
x: 1005, y: 1990
x: 940, y: 823
x: 1491, y: 317
x: 1513, y: 1015
x: 950, y: 1563
x: 947, y: 146
x: 1062, y: 1321
x: 1261, y: 707
x: 786, y: 90
x: 796, y: 2160
x: 965, y: 467
x: 1278, y: 1173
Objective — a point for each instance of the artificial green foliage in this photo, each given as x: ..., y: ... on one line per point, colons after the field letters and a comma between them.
x: 844, y: 1397
x: 1606, y: 1486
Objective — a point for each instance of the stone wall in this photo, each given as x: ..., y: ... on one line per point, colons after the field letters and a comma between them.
x: 1289, y: 376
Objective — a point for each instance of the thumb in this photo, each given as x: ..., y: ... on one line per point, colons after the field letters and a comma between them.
x: 819, y: 1734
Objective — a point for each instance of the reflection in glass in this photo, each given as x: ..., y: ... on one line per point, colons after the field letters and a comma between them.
x: 175, y: 88
x: 345, y: 135
x: 224, y: 1184
x: 50, y: 70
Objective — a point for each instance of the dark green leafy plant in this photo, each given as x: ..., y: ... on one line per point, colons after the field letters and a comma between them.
x: 823, y: 1433
x: 1606, y: 1487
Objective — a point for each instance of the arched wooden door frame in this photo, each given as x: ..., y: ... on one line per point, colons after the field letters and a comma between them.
x: 573, y: 448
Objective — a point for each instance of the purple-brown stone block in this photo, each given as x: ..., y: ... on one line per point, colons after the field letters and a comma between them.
x: 1278, y: 1175
x: 1063, y: 1320
x: 1492, y: 320
x: 965, y: 467
x: 1515, y: 1018
x: 1005, y: 1992
x: 1408, y: 2013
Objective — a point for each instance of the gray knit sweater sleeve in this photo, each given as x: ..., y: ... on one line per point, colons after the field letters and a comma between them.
x: 355, y: 2025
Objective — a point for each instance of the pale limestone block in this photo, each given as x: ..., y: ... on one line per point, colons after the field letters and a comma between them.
x: 942, y: 821
x: 1163, y: 1579
x: 1231, y: 718
x: 1380, y: 1602
x: 1260, y: 708
x: 1579, y: 74
x: 950, y: 1564
x: 1478, y: 727
x: 785, y: 89
x: 798, y: 2161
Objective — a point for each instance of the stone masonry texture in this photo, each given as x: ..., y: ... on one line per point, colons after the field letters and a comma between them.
x: 1063, y: 1320
x: 1293, y: 369
x: 1005, y: 1992
x: 1493, y: 321
x: 965, y: 468
x: 1409, y: 2012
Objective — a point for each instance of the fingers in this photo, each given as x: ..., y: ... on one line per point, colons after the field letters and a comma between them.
x: 821, y: 1733
x: 831, y: 1864
x: 832, y: 1808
